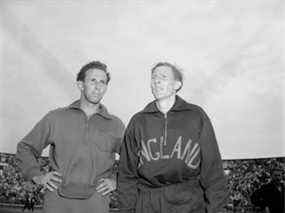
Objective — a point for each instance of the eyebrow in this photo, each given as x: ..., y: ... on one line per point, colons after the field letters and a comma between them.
x: 162, y: 75
x: 101, y: 80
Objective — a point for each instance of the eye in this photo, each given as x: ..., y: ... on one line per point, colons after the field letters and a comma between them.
x: 163, y: 76
x: 95, y: 81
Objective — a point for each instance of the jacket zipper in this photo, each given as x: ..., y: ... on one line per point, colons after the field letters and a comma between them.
x: 165, y: 128
x: 87, y: 142
x: 86, y: 130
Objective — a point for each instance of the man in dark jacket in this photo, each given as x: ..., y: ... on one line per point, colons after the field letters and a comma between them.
x: 271, y: 196
x: 83, y: 139
x: 169, y: 159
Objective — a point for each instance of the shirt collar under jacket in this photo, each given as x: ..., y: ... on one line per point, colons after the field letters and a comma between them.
x: 102, y: 110
x: 179, y: 105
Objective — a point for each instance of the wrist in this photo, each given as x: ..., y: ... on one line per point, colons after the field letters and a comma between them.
x: 37, y: 180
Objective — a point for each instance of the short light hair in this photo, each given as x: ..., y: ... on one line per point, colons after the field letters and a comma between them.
x: 176, y: 72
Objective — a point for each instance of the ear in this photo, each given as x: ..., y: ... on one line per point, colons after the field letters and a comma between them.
x: 80, y: 85
x: 177, y: 85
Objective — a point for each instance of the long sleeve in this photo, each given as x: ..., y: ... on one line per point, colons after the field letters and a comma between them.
x: 118, y: 142
x: 127, y: 175
x: 29, y: 149
x: 119, y: 136
x: 212, y: 176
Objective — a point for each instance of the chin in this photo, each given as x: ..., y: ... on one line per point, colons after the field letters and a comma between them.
x: 97, y: 101
x: 158, y: 98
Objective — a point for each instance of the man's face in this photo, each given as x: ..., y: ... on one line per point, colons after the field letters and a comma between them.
x: 163, y: 83
x: 94, y: 85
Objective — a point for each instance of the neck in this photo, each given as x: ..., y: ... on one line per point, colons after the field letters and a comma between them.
x: 164, y: 105
x: 89, y: 108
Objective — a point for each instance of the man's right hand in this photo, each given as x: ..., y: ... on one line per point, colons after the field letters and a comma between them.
x: 49, y: 180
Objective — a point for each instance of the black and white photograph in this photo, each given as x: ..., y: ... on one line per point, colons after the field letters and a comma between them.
x: 142, y: 106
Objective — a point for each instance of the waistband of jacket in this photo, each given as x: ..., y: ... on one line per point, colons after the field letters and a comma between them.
x: 192, y: 183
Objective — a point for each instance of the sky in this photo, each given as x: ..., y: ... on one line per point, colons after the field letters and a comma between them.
x: 231, y: 54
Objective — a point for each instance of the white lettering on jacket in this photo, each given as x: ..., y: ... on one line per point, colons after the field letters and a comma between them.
x: 152, y: 150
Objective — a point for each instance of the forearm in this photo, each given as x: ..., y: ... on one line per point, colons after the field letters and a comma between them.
x: 27, y: 161
x: 127, y: 171
x: 30, y: 148
x: 217, y: 195
x: 212, y: 174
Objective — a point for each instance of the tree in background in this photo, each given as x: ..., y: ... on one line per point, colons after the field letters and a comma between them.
x: 244, y: 178
x: 247, y: 176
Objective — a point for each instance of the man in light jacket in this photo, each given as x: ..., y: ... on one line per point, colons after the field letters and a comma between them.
x: 83, y: 139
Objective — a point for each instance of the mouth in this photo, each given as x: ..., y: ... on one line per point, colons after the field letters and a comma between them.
x: 158, y: 90
x: 95, y: 95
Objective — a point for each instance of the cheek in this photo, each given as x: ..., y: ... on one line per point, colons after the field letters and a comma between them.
x: 88, y: 89
x: 152, y: 85
x: 103, y: 90
x: 170, y: 88
x: 163, y: 85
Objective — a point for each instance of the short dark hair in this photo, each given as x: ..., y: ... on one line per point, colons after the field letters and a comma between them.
x: 176, y: 71
x: 92, y: 65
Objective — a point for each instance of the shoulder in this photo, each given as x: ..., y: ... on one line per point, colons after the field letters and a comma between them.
x: 57, y: 112
x: 116, y: 120
x: 196, y: 110
x: 135, y: 121
x: 137, y: 117
x: 116, y: 124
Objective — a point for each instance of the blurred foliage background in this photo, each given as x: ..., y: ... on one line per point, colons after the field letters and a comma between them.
x: 244, y: 177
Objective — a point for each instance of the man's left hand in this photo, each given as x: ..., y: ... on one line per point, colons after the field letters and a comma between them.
x: 106, y: 185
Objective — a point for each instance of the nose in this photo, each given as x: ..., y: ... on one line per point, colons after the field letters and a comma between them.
x: 98, y: 85
x: 157, y: 81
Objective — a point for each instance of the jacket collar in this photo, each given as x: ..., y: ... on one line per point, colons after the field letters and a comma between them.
x: 102, y: 110
x: 179, y: 105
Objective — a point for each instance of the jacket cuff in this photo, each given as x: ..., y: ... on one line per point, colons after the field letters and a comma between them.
x: 32, y: 172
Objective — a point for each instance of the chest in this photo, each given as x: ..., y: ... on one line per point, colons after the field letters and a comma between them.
x: 168, y: 137
x: 76, y: 130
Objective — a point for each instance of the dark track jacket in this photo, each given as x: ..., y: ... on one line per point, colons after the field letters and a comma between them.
x: 171, y: 163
